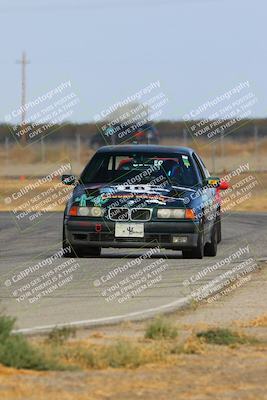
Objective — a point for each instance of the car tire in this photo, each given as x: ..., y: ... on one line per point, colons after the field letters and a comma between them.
x: 75, y: 252
x: 197, y: 252
x: 219, y: 227
x: 92, y: 252
x: 210, y: 249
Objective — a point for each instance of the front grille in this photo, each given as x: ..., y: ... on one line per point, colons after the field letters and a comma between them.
x: 118, y: 214
x: 124, y: 214
x: 140, y: 214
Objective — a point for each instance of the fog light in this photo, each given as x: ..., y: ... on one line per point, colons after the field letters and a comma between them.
x: 179, y: 239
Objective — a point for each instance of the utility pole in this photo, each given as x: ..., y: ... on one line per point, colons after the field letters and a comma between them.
x: 23, y: 63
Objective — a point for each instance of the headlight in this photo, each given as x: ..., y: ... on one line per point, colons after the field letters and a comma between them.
x: 87, y: 211
x: 172, y: 213
x: 176, y: 213
x: 96, y: 212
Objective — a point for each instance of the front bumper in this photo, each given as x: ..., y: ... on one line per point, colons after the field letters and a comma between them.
x: 85, y: 233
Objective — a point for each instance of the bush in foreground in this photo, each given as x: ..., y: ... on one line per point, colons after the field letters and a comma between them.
x: 59, y: 336
x: 118, y: 355
x: 17, y: 352
x: 225, y: 337
x: 161, y: 328
x: 121, y: 354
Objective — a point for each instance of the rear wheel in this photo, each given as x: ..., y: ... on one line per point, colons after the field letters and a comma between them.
x: 219, y: 228
x: 210, y: 249
x: 79, y: 252
x: 197, y: 252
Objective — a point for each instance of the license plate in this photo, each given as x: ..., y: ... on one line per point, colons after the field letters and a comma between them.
x: 129, y: 230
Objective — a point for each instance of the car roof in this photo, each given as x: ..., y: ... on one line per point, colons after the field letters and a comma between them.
x: 137, y: 148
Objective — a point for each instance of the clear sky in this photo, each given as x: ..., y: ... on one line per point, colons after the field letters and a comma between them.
x: 110, y: 49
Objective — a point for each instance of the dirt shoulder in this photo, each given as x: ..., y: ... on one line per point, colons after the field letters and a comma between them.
x: 224, y: 374
x: 203, y: 372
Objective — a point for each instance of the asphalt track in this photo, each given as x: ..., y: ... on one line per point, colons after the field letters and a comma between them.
x: 80, y: 296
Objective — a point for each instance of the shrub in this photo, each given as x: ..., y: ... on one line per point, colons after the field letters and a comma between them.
x: 17, y: 352
x: 122, y: 354
x: 161, y: 328
x: 6, y: 326
x: 59, y: 335
x: 81, y: 356
x: 223, y: 337
x: 192, y: 345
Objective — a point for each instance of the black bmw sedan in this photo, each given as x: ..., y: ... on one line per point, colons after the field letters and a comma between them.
x: 143, y: 196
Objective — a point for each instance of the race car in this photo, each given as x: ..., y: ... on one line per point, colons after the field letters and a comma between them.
x: 143, y: 196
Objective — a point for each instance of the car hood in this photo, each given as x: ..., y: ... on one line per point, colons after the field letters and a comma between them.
x: 121, y: 195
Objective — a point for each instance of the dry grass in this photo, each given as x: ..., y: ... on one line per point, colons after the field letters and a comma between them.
x: 160, y: 343
x: 258, y: 198
x: 53, y: 152
x: 258, y: 322
x: 227, y: 156
x: 144, y: 368
x: 192, y: 345
x: 10, y: 186
x: 231, y: 147
x: 208, y: 371
x: 122, y: 353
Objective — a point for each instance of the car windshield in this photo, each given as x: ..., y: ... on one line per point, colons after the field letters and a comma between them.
x: 160, y: 169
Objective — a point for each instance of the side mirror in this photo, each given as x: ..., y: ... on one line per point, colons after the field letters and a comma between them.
x: 68, y: 179
x: 213, y: 182
x: 223, y: 185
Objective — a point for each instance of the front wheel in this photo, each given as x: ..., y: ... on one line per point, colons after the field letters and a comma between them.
x: 70, y: 251
x: 92, y: 252
x: 197, y: 252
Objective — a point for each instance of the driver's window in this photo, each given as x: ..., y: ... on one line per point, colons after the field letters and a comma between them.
x: 203, y: 170
x: 206, y: 172
x: 199, y: 168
